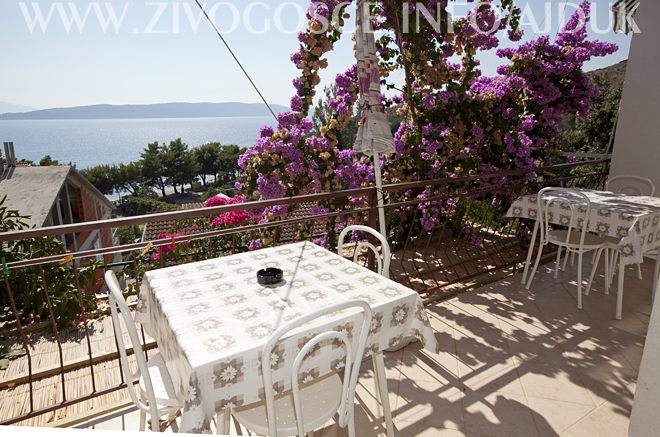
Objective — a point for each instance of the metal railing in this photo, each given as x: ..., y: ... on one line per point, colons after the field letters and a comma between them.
x: 468, y: 238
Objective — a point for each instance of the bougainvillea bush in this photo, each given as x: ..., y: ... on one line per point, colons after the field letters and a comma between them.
x: 186, y: 244
x: 457, y: 121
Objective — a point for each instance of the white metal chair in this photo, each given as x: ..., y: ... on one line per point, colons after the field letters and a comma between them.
x: 304, y: 409
x: 632, y: 185
x: 635, y: 186
x: 383, y: 258
x: 383, y: 269
x: 575, y: 239
x: 155, y: 393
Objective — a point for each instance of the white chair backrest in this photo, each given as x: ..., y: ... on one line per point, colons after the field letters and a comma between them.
x: 575, y: 212
x: 119, y: 308
x: 352, y: 360
x: 383, y: 259
x: 632, y: 185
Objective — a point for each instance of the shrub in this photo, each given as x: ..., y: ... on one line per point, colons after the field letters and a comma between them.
x: 134, y: 205
x: 128, y: 234
x: 27, y: 283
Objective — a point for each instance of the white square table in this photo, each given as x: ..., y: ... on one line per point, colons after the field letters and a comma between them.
x: 211, y: 320
x: 633, y: 220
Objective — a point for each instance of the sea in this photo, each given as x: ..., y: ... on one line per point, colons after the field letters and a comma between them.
x: 87, y: 143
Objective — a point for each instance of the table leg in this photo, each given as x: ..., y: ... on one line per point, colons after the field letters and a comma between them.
x: 222, y: 420
x: 381, y: 378
x: 619, y: 294
x: 529, y: 251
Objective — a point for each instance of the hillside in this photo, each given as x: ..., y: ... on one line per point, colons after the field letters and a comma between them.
x: 615, y: 74
x: 12, y: 107
x: 162, y: 110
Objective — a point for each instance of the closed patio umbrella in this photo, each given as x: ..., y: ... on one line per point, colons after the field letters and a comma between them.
x: 374, y: 136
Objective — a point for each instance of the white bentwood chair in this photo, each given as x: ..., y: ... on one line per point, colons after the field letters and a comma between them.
x: 304, y: 409
x: 635, y: 186
x: 631, y: 185
x: 155, y: 394
x: 575, y: 239
x: 383, y: 258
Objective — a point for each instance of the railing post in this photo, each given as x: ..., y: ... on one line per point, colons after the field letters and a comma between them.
x: 373, y: 224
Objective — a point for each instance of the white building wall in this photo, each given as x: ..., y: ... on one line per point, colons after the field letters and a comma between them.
x: 637, y: 141
x: 637, y: 152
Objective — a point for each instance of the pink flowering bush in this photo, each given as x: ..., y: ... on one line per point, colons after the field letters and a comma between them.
x: 232, y: 218
x: 457, y: 122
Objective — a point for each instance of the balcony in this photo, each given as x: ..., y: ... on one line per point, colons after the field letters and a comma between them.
x: 512, y: 361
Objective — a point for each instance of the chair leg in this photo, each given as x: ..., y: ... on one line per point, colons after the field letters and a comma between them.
x: 579, y: 281
x: 143, y: 420
x: 379, y: 407
x: 568, y: 254
x: 594, y: 267
x: 619, y: 292
x: 379, y: 370
x: 536, y: 266
x: 656, y: 274
x: 639, y: 272
x: 351, y: 426
x: 172, y: 420
x: 613, y: 262
x: 530, y: 251
x: 557, y: 261
x: 607, y: 271
x: 237, y: 425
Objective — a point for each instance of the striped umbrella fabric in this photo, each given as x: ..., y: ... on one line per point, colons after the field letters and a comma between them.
x: 624, y: 16
x: 374, y: 135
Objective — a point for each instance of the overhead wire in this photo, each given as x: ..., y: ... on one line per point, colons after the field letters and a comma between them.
x: 224, y: 41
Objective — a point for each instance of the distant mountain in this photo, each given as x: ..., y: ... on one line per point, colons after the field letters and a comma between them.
x: 162, y: 110
x: 11, y: 107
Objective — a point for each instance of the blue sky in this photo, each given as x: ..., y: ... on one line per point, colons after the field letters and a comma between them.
x: 156, y: 55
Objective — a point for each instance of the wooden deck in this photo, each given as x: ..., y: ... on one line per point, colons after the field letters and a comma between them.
x: 47, y: 385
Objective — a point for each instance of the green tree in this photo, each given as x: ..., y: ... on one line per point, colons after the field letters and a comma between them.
x: 227, y: 162
x: 152, y: 161
x: 592, y: 134
x: 127, y: 177
x: 48, y: 161
x: 206, y: 156
x: 101, y: 176
x: 180, y: 165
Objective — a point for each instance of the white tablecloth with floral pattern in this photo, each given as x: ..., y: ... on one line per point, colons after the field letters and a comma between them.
x: 211, y: 320
x: 633, y: 219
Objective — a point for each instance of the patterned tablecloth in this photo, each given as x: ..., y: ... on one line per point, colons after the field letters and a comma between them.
x: 211, y: 319
x: 633, y: 219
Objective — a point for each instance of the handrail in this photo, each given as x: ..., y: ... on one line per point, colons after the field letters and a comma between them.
x: 163, y: 241
x: 306, y: 198
x: 518, y: 172
x: 174, y: 215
